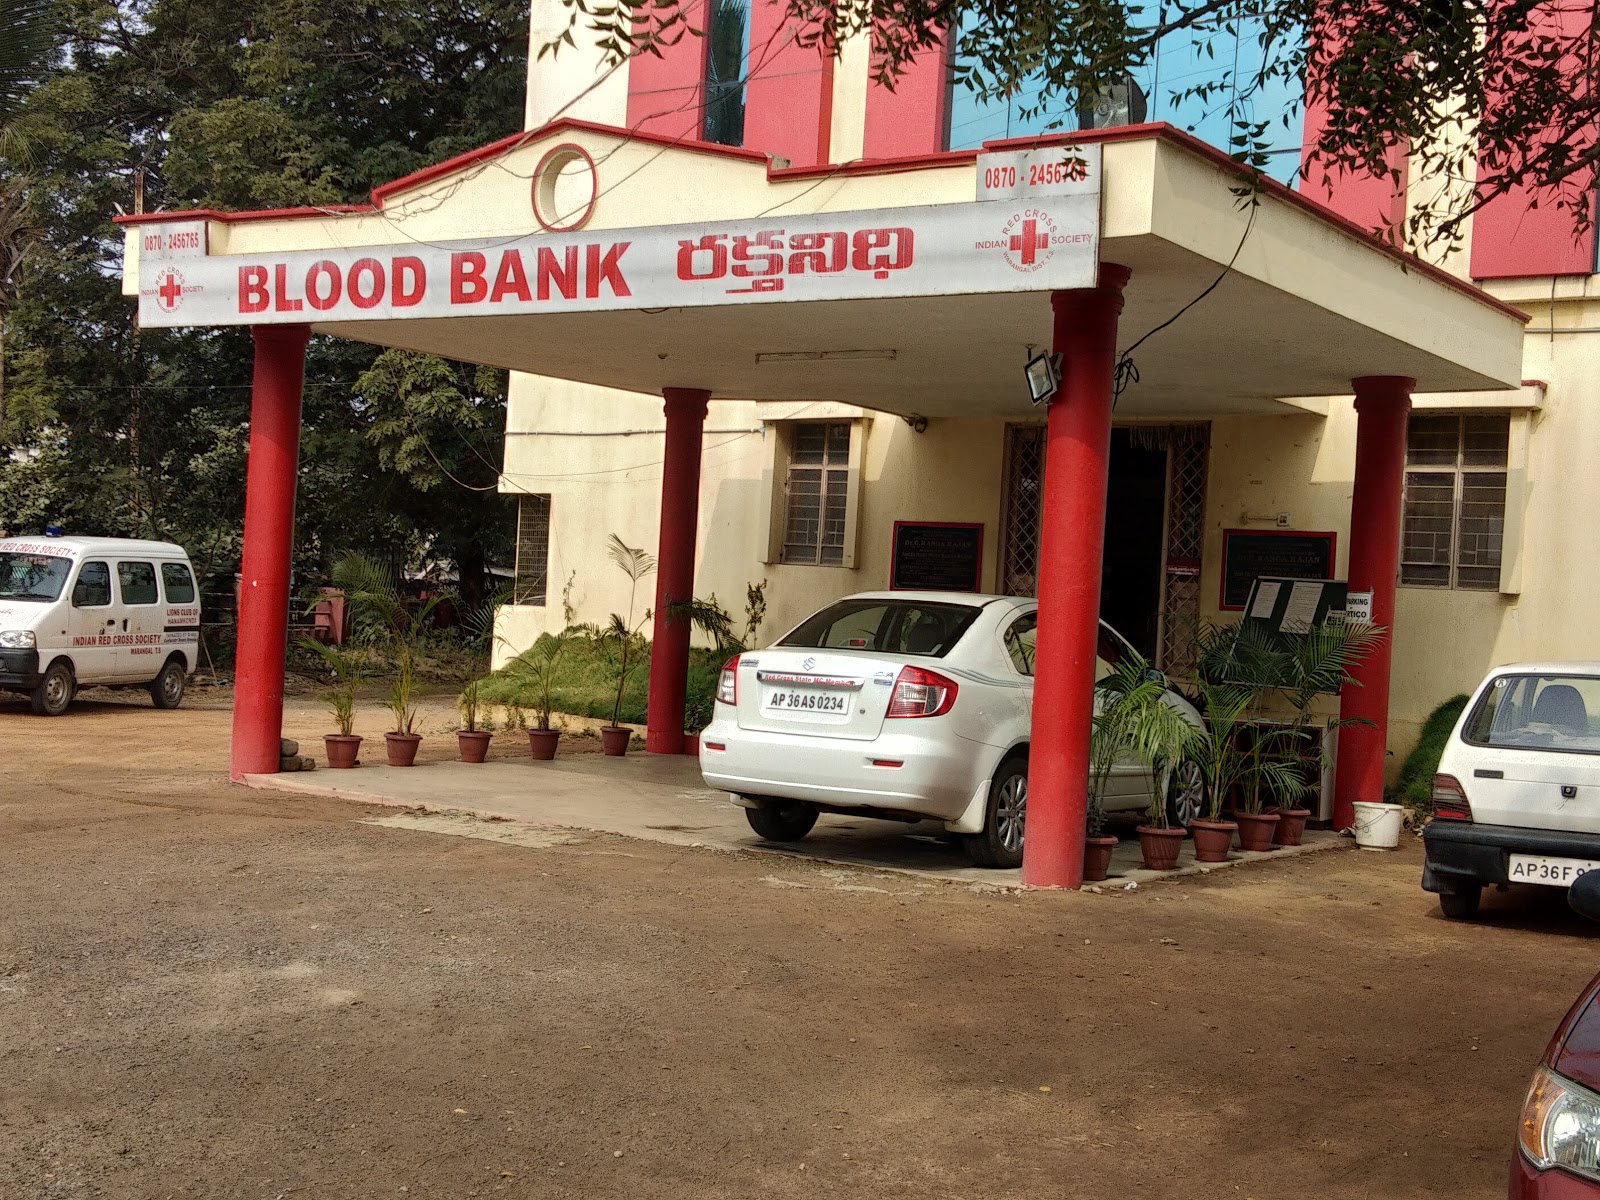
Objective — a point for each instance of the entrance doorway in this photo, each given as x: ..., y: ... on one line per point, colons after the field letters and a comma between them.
x: 1155, y: 525
x: 1130, y: 578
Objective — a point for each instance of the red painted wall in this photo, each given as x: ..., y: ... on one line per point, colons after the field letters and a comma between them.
x: 1509, y: 236
x: 1371, y: 201
x: 788, y: 99
x: 910, y: 119
x: 1510, y: 239
x: 666, y: 94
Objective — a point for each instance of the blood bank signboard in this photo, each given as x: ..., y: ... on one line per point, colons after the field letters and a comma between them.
x: 1010, y: 243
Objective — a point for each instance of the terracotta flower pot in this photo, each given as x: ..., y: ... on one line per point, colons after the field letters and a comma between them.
x: 614, y: 740
x: 1160, y: 846
x: 1256, y: 829
x: 342, y: 749
x: 402, y: 748
x: 542, y: 743
x: 1291, y: 826
x: 1097, y: 857
x: 473, y: 744
x: 1212, y: 839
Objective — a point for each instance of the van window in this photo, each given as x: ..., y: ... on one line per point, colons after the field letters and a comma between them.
x: 93, y: 589
x: 32, y: 576
x: 137, y: 582
x: 177, y: 583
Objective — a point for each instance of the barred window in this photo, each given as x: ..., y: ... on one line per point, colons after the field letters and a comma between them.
x: 533, y: 550
x: 1455, y: 501
x: 815, y: 491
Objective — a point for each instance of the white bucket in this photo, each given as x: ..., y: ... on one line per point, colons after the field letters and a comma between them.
x: 1377, y: 825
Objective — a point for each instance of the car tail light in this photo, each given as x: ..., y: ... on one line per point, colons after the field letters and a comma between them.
x: 728, y: 682
x: 1450, y: 799
x: 919, y: 693
x: 1560, y: 1125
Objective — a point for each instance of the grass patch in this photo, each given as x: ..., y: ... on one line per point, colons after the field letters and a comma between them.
x: 586, y: 684
x: 1414, y: 787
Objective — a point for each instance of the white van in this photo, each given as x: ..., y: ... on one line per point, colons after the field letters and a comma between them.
x: 89, y: 612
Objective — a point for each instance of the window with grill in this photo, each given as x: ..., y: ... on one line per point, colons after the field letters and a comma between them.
x: 815, y: 493
x: 1455, y: 501
x: 533, y: 550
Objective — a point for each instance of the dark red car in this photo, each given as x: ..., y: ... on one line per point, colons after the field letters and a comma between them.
x: 1558, y: 1136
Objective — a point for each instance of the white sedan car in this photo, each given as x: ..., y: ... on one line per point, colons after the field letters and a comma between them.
x: 908, y: 706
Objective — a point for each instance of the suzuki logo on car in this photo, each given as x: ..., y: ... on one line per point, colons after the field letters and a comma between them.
x: 807, y: 663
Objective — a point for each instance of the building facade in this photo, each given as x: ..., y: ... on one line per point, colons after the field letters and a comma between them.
x: 806, y: 495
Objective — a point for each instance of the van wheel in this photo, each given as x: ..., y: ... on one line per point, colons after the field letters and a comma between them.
x: 1004, y: 821
x: 782, y: 820
x: 166, y: 689
x: 55, y: 690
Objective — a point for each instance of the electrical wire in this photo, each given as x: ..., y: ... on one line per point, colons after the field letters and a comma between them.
x: 1126, y: 371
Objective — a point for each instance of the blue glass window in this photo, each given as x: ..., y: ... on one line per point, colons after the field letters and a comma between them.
x: 1181, y: 61
x: 727, y: 52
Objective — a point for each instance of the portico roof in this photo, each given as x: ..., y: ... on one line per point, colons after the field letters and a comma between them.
x: 1309, y: 303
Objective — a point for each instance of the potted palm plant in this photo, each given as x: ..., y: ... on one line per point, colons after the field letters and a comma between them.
x: 399, y: 624
x: 1320, y: 662
x: 1223, y: 705
x: 343, y: 747
x: 1135, y: 721
x: 621, y: 641
x: 537, y: 666
x: 472, y: 743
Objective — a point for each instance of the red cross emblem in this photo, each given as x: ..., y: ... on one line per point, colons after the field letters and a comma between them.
x: 1030, y: 241
x: 170, y: 291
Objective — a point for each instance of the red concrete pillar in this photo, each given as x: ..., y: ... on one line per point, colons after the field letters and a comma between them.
x: 280, y: 364
x: 1071, y: 542
x: 680, y: 517
x: 1383, y: 405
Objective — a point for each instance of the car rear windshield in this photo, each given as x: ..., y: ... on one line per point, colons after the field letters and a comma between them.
x: 892, y: 626
x: 1538, y: 712
x: 32, y: 576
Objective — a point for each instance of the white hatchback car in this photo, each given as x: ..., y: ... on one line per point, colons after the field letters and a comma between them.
x: 908, y: 706
x: 1517, y: 795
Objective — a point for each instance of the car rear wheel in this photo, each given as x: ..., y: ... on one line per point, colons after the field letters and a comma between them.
x: 166, y: 689
x: 1186, y: 793
x: 782, y: 820
x: 55, y: 690
x: 1462, y: 905
x: 1004, y: 824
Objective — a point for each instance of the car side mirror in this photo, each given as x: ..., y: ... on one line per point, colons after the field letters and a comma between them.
x: 1583, y: 897
x: 1155, y: 676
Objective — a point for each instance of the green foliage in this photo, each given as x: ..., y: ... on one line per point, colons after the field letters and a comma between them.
x: 1242, y: 665
x: 619, y: 639
x: 1414, y: 786
x: 584, y: 683
x: 1135, y: 721
x: 114, y: 430
x: 468, y: 704
x: 347, y: 677
x: 533, y: 674
x: 393, y: 620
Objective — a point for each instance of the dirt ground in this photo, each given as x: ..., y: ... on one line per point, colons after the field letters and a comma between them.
x: 207, y: 991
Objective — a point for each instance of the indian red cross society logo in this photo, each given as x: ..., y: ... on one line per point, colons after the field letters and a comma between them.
x: 170, y: 289
x: 1025, y: 240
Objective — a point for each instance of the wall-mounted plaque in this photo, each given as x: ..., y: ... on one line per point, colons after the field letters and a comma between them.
x: 1251, y: 554
x: 937, y: 556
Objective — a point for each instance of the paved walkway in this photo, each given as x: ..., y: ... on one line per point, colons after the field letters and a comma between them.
x: 661, y: 798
